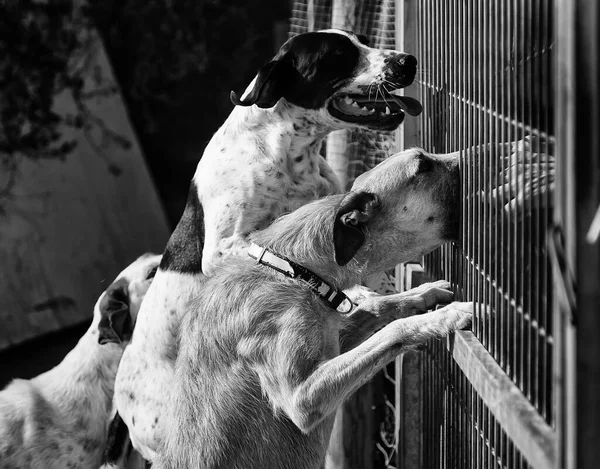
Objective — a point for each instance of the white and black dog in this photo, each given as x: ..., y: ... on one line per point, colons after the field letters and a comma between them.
x: 264, y: 161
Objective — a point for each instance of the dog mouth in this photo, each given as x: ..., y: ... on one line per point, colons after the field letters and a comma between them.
x: 383, y: 111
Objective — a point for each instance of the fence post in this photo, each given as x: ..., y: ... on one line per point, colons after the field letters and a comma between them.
x: 408, y: 399
x: 342, y: 17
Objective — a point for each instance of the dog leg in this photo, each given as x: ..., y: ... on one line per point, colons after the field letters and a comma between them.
x: 332, y: 382
x: 375, y: 311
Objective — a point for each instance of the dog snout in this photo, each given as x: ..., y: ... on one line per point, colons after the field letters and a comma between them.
x: 401, y: 69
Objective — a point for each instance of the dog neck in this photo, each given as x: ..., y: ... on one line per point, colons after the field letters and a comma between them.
x: 91, y: 361
x: 336, y: 299
x: 285, y: 129
x: 86, y: 376
x: 305, y: 237
x: 284, y: 137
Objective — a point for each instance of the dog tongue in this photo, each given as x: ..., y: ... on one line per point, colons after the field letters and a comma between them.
x: 409, y: 105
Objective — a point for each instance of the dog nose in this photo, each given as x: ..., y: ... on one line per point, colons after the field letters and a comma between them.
x: 405, y: 64
x: 402, y: 69
x: 408, y: 61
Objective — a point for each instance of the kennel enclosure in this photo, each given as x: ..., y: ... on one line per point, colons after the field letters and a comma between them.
x: 500, y: 82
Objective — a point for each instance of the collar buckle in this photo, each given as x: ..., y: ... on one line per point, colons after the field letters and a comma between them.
x: 346, y: 306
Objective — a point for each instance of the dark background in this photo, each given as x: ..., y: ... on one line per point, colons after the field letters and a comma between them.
x: 175, y: 64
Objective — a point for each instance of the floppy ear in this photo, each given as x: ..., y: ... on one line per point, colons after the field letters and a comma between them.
x: 349, y: 227
x: 115, y: 318
x: 272, y: 80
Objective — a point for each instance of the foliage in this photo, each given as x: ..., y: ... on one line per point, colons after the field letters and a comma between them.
x: 42, y: 53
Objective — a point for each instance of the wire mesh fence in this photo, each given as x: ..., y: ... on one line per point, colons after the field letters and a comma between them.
x: 461, y: 432
x: 481, y: 89
x: 485, y: 77
x: 488, y: 77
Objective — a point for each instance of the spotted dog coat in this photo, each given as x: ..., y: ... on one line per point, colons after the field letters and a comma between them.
x: 58, y: 420
x: 264, y: 161
x: 264, y: 361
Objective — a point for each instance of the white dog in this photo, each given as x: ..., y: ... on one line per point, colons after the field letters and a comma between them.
x: 58, y: 420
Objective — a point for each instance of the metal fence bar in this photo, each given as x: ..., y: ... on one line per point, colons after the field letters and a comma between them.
x: 484, y: 82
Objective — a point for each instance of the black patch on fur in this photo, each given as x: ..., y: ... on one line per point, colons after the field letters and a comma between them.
x: 115, y: 322
x: 184, y: 249
x: 152, y: 273
x: 115, y: 440
x: 355, y: 210
x: 306, y: 71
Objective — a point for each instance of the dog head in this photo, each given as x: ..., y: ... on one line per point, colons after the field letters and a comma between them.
x: 336, y: 74
x: 417, y: 208
x: 118, y: 306
x: 396, y: 212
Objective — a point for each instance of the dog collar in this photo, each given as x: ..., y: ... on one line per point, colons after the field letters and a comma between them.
x: 334, y: 298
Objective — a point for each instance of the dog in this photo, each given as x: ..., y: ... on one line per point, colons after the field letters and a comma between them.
x: 58, y: 420
x: 261, y: 369
x: 264, y: 161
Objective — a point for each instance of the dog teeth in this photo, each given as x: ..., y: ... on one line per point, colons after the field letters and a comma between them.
x: 387, y: 111
x: 355, y: 104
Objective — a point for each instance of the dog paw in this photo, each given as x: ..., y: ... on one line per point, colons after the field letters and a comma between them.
x: 456, y: 316
x: 415, y: 331
x: 425, y: 297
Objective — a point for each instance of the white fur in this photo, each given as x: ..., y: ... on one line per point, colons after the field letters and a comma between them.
x: 58, y: 420
x: 260, y: 164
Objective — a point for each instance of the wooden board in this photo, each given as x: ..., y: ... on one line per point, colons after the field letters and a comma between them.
x: 71, y: 226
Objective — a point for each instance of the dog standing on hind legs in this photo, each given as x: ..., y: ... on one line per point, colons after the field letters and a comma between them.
x: 260, y: 372
x: 262, y: 162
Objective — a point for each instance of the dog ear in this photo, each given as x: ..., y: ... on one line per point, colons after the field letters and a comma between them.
x: 349, y: 227
x: 115, y: 325
x: 272, y: 80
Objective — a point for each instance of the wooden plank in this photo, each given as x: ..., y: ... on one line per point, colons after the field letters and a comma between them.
x: 70, y: 226
x: 530, y: 433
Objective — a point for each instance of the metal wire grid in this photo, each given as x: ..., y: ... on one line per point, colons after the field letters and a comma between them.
x: 487, y: 77
x: 373, y: 18
x: 461, y: 432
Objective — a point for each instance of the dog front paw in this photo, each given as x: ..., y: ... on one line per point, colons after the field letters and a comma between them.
x: 426, y: 296
x: 457, y: 315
